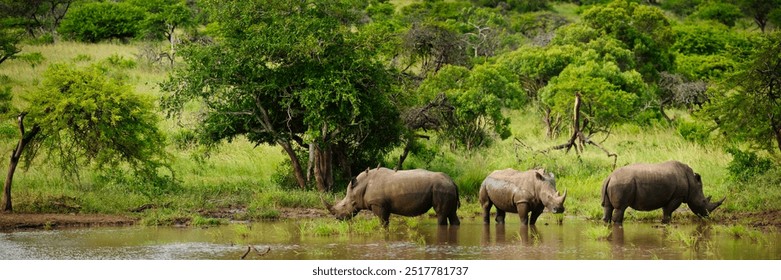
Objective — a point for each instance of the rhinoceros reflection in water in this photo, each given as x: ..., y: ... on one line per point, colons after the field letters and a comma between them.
x: 647, y: 187
x: 406, y: 192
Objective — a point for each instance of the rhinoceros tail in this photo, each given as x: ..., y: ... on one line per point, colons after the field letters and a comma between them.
x: 604, y: 191
x: 458, y: 203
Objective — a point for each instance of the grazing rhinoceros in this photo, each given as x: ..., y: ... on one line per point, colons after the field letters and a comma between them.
x: 520, y: 192
x: 647, y: 187
x: 406, y: 192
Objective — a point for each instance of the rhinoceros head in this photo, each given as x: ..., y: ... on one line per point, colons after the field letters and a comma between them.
x: 699, y: 204
x: 346, y: 208
x: 552, y: 199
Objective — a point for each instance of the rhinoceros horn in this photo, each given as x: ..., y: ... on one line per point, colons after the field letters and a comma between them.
x: 328, y: 206
x: 563, y: 197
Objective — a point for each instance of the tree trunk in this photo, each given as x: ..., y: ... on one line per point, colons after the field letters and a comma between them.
x: 310, y: 162
x: 551, y: 123
x: 404, y: 154
x: 664, y: 114
x: 323, y: 169
x: 24, y: 139
x: 298, y: 172
x: 777, y: 130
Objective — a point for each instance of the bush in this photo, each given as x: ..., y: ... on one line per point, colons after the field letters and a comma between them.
x: 693, y: 132
x: 680, y: 7
x: 745, y: 165
x: 94, y: 22
x: 725, y: 13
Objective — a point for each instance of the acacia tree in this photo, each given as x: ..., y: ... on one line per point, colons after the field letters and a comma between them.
x: 292, y: 74
x: 38, y: 16
x: 759, y: 10
x: 9, y: 34
x: 163, y: 19
x: 82, y: 117
x: 756, y: 90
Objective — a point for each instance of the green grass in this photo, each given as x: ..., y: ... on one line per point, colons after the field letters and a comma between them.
x: 598, y: 232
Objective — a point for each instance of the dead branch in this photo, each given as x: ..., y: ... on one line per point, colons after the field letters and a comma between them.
x: 252, y: 248
x: 577, y: 135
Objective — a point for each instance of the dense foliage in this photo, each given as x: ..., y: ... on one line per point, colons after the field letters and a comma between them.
x: 98, y: 21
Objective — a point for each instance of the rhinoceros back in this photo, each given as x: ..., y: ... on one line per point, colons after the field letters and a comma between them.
x: 647, y: 186
x: 411, y: 192
x: 507, y: 187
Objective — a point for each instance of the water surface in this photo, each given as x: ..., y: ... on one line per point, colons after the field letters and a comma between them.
x: 575, y: 239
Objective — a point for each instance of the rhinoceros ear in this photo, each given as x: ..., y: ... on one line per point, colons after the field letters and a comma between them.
x: 353, y: 181
x: 697, y: 177
x: 539, y: 176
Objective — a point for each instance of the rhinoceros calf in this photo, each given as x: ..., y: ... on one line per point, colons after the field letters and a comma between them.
x: 520, y: 192
x: 647, y: 187
x: 406, y: 192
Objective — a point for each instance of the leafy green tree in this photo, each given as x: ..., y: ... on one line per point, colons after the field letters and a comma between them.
x: 725, y: 13
x: 708, y: 52
x: 38, y: 17
x: 759, y: 10
x: 97, y: 21
x: 434, y: 45
x: 680, y: 7
x: 534, y: 67
x: 775, y: 17
x: 10, y: 34
x: 746, y: 107
x: 609, y: 96
x: 477, y: 97
x: 522, y: 6
x: 643, y: 29
x: 163, y: 19
x: 82, y: 117
x: 294, y: 74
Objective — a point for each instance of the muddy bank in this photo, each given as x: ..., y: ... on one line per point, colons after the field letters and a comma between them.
x: 766, y: 220
x: 15, y: 221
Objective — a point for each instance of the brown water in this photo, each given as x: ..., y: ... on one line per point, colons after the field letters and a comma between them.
x: 472, y: 240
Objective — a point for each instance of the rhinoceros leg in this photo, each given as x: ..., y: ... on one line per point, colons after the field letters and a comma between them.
x: 453, y: 218
x: 523, y: 212
x: 446, y: 211
x: 381, y: 213
x: 608, y: 213
x: 486, y: 211
x: 618, y: 215
x: 500, y: 216
x: 486, y: 204
x: 535, y: 213
x: 667, y: 211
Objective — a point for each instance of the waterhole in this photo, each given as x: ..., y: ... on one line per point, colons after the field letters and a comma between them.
x: 574, y: 239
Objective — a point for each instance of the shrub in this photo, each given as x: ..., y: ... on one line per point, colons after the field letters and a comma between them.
x: 745, y: 165
x: 725, y: 13
x: 693, y: 132
x: 680, y: 7
x: 99, y: 21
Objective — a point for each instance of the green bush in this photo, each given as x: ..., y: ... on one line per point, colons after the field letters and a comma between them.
x: 693, y: 132
x: 725, y: 13
x: 94, y: 22
x: 680, y: 7
x: 745, y: 165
